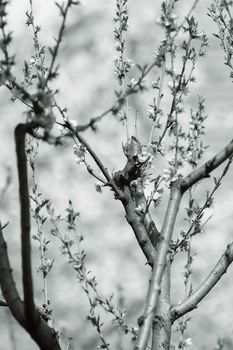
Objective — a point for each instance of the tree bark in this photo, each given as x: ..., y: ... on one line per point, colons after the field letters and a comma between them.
x: 161, y: 327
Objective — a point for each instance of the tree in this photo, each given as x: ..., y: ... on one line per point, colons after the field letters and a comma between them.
x: 174, y: 132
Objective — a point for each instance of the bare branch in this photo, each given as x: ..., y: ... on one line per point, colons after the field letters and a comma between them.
x: 205, y: 170
x: 158, y: 266
x: 43, y: 335
x: 201, y: 210
x: 64, y: 11
x: 218, y: 271
x: 97, y: 160
x: 7, y: 283
x: 137, y: 190
x: 20, y: 134
x: 161, y: 328
x: 138, y: 227
x: 93, y: 121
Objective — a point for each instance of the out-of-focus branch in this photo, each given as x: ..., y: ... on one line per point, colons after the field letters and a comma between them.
x: 43, y: 335
x: 20, y: 134
x: 8, y: 287
x: 218, y: 271
x: 205, y: 170
x: 3, y: 303
x: 93, y: 121
x: 159, y: 265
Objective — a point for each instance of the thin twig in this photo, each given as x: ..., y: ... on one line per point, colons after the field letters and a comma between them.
x: 160, y: 94
x: 55, y: 50
x: 115, y: 106
x: 187, y: 16
x: 97, y: 160
x: 204, y: 206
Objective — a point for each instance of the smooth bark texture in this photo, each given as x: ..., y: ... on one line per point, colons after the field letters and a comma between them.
x: 26, y: 313
x: 8, y: 287
x: 159, y: 265
x: 218, y: 271
x: 161, y: 328
x: 205, y: 170
x: 20, y: 135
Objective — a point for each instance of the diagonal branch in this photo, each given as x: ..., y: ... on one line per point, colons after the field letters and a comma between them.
x: 110, y: 181
x: 159, y: 265
x: 137, y: 190
x: 138, y: 227
x: 218, y: 271
x: 205, y: 170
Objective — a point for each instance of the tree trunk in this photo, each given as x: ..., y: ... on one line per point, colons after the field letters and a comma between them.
x: 161, y: 329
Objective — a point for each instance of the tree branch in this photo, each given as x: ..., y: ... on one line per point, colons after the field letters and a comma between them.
x: 7, y: 283
x: 192, y: 301
x: 20, y: 134
x: 54, y: 52
x: 136, y: 222
x: 158, y: 266
x: 43, y: 335
x: 137, y: 190
x: 102, y: 168
x: 205, y: 170
x: 93, y: 121
x: 161, y: 328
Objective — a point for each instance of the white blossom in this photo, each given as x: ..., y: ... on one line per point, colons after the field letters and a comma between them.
x: 169, y: 174
x: 188, y: 342
x: 73, y: 123
x: 79, y: 151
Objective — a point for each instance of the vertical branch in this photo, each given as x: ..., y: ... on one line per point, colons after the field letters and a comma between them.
x: 20, y: 134
x: 7, y: 283
x: 161, y: 328
x: 42, y: 334
x: 122, y: 64
x: 159, y: 265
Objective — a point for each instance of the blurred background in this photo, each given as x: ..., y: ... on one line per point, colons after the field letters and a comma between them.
x: 86, y: 86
